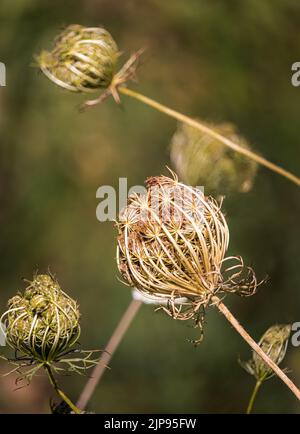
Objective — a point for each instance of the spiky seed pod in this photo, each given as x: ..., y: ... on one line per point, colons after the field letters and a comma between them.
x: 83, y: 59
x: 42, y: 327
x: 172, y: 243
x: 43, y: 322
x: 274, y: 343
x: 200, y: 159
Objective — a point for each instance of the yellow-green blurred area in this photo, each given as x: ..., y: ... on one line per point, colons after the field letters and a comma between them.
x: 221, y: 61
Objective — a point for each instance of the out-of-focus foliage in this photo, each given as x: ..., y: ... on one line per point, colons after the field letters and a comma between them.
x: 222, y: 61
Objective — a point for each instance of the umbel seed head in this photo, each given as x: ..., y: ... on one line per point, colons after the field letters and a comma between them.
x: 200, y: 159
x: 172, y: 243
x: 43, y: 322
x: 83, y: 59
x: 273, y: 343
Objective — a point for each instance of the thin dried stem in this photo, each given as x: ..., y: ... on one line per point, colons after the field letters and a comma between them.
x: 111, y: 347
x: 199, y: 126
x: 233, y: 321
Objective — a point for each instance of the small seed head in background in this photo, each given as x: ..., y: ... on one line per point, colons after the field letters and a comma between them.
x: 83, y: 59
x: 274, y: 343
x: 200, y: 159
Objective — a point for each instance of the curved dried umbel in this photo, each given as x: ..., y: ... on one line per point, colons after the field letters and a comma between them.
x: 83, y: 59
x: 42, y: 327
x: 172, y: 243
x: 200, y: 159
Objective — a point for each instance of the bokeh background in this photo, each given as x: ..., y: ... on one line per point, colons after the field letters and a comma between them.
x: 221, y: 61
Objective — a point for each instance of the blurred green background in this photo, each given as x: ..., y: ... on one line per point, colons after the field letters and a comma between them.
x: 222, y: 61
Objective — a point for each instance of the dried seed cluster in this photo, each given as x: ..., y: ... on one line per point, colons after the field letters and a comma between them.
x: 200, y: 159
x: 42, y: 327
x: 172, y: 243
x: 83, y: 59
x: 43, y: 322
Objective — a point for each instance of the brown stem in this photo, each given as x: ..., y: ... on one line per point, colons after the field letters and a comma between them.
x: 199, y: 126
x: 233, y: 321
x: 112, y: 345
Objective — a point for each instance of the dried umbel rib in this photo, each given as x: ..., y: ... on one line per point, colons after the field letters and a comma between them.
x: 200, y: 159
x: 172, y: 243
x: 274, y: 343
x: 83, y: 59
x: 42, y: 327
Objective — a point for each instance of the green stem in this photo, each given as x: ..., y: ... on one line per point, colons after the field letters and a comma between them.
x: 60, y: 393
x: 253, y: 396
x: 204, y: 128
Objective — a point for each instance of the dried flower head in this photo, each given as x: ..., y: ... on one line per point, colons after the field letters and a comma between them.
x: 42, y: 327
x: 83, y: 59
x: 172, y: 243
x: 274, y: 343
x: 200, y: 159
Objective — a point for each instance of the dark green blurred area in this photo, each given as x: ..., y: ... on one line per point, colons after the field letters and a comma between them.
x: 221, y: 61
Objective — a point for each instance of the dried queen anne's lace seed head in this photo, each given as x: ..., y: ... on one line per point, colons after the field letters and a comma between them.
x: 172, y: 243
x: 274, y: 343
x: 200, y: 159
x: 83, y: 59
x: 44, y: 321
x: 42, y: 327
